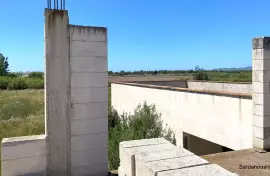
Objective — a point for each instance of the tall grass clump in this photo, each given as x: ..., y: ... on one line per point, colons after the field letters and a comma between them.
x: 39, y: 75
x: 34, y: 83
x: 4, y: 82
x: 17, y: 84
x: 144, y: 123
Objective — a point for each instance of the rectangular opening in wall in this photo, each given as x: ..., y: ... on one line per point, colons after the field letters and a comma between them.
x: 201, y: 146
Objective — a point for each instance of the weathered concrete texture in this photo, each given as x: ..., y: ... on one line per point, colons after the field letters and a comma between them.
x: 163, y: 159
x: 57, y: 92
x: 128, y: 149
x: 180, y: 110
x: 23, y: 155
x: 89, y: 96
x: 152, y: 168
x: 261, y: 43
x: 209, y: 170
x: 219, y: 86
x: 151, y: 156
x: 261, y: 94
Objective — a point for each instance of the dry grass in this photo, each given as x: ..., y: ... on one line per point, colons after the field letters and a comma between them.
x: 21, y: 113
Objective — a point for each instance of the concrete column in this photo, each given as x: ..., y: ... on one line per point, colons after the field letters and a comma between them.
x: 57, y: 93
x: 261, y: 93
x: 89, y: 97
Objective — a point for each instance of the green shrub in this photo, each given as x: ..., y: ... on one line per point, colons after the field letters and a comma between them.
x: 17, y: 84
x: 143, y: 124
x: 201, y: 75
x: 34, y: 83
x: 36, y: 75
x: 4, y: 82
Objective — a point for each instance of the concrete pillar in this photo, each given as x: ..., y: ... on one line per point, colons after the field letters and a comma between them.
x: 261, y: 93
x: 57, y: 93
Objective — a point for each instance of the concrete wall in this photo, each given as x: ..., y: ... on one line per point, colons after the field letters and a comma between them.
x: 23, y: 155
x: 173, y: 83
x: 76, y: 108
x: 89, y: 96
x: 216, y: 86
x: 202, y: 85
x: 225, y: 120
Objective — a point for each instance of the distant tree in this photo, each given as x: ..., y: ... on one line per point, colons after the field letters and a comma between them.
x: 122, y: 73
x: 110, y: 72
x: 36, y: 75
x: 3, y: 65
x: 155, y: 72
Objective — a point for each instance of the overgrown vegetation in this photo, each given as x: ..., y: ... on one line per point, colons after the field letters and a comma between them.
x: 21, y: 113
x: 20, y: 83
x: 144, y: 123
x: 200, y: 74
x: 3, y: 65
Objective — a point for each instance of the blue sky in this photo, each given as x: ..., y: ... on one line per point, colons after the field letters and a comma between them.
x: 144, y: 34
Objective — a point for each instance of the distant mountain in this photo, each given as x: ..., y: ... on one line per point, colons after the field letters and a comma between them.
x: 233, y: 69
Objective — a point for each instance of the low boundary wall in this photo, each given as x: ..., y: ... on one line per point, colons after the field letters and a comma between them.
x: 243, y: 87
x: 24, y: 155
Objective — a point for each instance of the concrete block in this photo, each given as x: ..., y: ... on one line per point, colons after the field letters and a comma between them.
x: 260, y: 65
x: 261, y: 43
x: 261, y: 121
x: 121, y: 171
x: 86, y: 49
x: 143, y: 157
x: 261, y: 76
x: 127, y: 156
x: 100, y: 169
x: 209, y: 170
x: 152, y: 168
x: 22, y: 147
x: 89, y: 142
x: 89, y: 64
x: 89, y: 95
x: 89, y: 157
x: 261, y: 132
x: 24, y: 166
x: 137, y: 143
x: 90, y: 110
x: 89, y: 80
x: 89, y: 126
x: 149, y: 156
x: 261, y: 143
x: 260, y: 110
x: 257, y: 54
x: 88, y: 33
x: 261, y: 99
x: 143, y: 142
x: 260, y: 87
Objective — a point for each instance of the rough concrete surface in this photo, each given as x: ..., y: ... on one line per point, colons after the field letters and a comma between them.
x: 204, y: 170
x: 235, y: 162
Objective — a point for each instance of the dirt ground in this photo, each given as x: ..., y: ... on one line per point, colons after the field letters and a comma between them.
x: 146, y: 78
